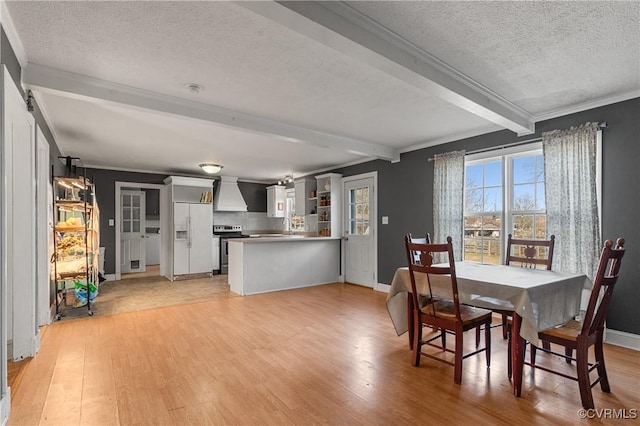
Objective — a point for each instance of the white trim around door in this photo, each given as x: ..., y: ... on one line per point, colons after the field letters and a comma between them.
x: 373, y: 224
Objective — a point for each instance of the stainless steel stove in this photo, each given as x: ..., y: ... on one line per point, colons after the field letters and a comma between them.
x: 226, y: 232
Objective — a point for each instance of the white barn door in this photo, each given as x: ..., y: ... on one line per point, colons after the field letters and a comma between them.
x: 18, y: 133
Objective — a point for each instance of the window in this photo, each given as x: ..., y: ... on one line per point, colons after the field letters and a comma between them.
x: 359, y: 211
x: 296, y: 222
x: 503, y: 195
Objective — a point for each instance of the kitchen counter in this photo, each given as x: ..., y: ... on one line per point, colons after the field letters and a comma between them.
x: 265, y: 264
x: 266, y: 238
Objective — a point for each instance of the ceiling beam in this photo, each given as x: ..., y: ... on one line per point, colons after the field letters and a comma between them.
x: 337, y: 25
x: 63, y: 83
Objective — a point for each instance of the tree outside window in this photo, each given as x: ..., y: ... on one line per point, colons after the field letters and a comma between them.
x: 503, y: 195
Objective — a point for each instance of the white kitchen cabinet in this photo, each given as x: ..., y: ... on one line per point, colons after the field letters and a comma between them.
x: 276, y: 198
x: 329, y: 205
x: 305, y: 196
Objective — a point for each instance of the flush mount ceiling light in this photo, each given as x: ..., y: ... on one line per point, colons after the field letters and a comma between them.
x: 211, y: 168
x: 287, y: 179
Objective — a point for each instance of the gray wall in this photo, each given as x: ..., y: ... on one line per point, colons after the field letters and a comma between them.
x: 255, y: 195
x: 405, y: 194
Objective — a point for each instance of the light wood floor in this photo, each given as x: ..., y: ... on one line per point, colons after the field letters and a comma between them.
x: 326, y: 354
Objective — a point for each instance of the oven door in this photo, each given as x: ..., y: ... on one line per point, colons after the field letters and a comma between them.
x: 224, y: 256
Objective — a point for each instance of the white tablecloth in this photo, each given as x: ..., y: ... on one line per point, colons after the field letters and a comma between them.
x: 544, y: 299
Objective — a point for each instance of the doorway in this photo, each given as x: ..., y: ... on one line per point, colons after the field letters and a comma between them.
x: 360, y: 229
x: 138, y: 251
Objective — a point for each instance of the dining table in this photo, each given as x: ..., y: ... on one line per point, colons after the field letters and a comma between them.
x: 540, y: 299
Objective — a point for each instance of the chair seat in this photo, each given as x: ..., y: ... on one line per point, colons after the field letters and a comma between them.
x: 445, y: 309
x: 425, y: 299
x: 569, y: 331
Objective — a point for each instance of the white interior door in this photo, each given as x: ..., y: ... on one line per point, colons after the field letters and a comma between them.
x: 132, y: 231
x: 359, y: 231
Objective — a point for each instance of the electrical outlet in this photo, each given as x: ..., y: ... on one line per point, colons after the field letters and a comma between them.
x: 112, y: 222
x: 385, y: 220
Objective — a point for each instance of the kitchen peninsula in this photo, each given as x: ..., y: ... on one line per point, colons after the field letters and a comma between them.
x: 265, y: 264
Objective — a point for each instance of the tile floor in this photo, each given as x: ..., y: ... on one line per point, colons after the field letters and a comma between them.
x: 138, y: 293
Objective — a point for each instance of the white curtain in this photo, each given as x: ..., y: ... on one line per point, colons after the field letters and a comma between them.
x: 448, y: 199
x: 571, y: 197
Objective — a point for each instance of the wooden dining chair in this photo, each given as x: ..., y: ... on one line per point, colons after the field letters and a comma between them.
x: 416, y: 257
x: 526, y: 254
x: 447, y: 315
x: 425, y: 240
x: 579, y: 336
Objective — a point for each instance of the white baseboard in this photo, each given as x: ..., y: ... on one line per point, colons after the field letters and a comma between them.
x: 110, y: 277
x: 622, y: 338
x: 384, y: 288
x: 5, y: 407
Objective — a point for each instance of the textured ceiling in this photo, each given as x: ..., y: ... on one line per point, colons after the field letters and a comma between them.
x: 540, y: 56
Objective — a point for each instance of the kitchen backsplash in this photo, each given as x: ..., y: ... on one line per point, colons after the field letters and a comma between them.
x: 250, y: 221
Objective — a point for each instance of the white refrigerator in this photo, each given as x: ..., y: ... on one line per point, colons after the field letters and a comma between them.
x: 192, y: 244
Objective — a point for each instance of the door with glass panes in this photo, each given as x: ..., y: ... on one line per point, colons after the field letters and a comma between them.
x: 132, y: 231
x: 359, y: 225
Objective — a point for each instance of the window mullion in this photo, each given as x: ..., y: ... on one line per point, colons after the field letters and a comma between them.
x: 507, y: 222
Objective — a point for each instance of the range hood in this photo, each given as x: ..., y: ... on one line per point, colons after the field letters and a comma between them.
x: 228, y: 197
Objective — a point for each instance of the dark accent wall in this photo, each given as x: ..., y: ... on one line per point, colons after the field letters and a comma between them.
x: 405, y: 194
x: 255, y: 195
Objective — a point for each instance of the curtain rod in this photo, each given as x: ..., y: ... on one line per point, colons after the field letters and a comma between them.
x: 602, y: 125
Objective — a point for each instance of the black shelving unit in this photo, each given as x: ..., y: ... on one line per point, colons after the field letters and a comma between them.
x: 75, y: 238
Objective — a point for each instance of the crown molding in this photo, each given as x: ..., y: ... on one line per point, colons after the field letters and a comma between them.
x: 608, y: 100
x: 451, y: 138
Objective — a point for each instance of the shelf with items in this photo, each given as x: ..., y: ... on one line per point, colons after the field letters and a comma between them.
x: 190, y: 190
x: 76, y: 243
x: 328, y: 200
